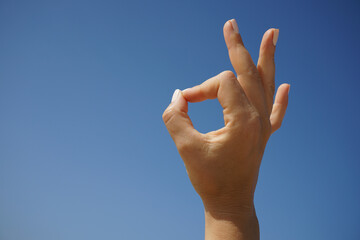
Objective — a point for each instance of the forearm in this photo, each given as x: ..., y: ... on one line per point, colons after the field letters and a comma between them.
x: 239, y: 224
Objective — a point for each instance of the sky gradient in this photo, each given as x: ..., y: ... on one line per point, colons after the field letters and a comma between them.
x: 84, y: 153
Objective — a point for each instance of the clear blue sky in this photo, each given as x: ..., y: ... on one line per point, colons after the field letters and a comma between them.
x: 84, y: 153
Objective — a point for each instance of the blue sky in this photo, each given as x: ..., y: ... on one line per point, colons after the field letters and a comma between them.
x: 84, y: 153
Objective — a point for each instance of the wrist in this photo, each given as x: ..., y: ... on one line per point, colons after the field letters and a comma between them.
x: 230, y: 204
x: 231, y: 221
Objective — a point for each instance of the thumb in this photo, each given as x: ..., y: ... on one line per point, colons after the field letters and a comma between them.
x: 178, y: 122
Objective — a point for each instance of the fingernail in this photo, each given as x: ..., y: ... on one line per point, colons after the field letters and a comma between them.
x: 289, y: 89
x: 234, y: 25
x: 275, y: 36
x: 175, y: 95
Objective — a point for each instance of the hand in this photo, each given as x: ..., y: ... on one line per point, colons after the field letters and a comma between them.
x: 223, y: 165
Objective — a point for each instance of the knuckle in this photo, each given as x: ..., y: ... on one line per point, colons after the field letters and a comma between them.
x: 255, y: 121
x: 253, y: 126
x: 248, y: 122
x: 229, y: 78
x: 168, y: 115
x: 251, y: 71
x: 258, y: 126
x: 261, y: 123
x: 228, y: 74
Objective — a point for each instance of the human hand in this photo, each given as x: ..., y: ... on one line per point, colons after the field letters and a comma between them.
x: 223, y: 165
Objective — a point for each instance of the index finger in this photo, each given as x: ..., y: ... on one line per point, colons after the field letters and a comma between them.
x: 227, y: 90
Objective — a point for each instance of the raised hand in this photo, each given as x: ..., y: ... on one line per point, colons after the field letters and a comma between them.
x: 223, y: 165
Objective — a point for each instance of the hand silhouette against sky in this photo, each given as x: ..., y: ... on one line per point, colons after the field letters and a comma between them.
x: 223, y: 165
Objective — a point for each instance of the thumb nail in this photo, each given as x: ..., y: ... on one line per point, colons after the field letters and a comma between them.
x: 176, y: 95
